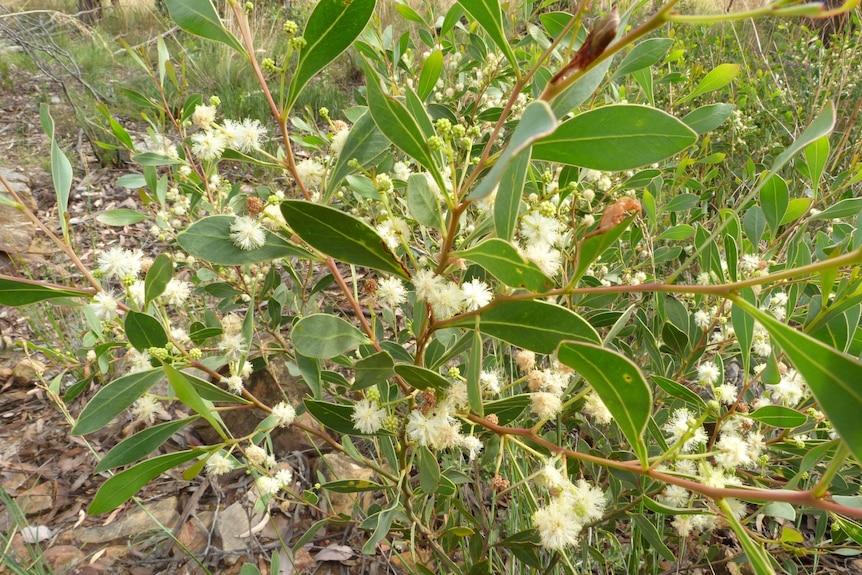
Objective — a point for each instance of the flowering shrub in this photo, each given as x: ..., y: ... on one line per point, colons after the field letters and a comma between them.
x: 499, y: 288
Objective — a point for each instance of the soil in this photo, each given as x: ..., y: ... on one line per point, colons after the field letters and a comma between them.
x: 48, y: 472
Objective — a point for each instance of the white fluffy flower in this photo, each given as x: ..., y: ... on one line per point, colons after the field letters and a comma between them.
x: 338, y: 141
x: 446, y: 301
x: 596, y: 408
x: 104, y: 305
x: 702, y: 319
x: 145, y: 408
x: 707, y: 373
x: 472, y: 445
x: 208, y: 144
x: 391, y: 292
x: 476, y: 294
x: 557, y: 526
x: 203, y: 116
x: 393, y: 231
x: 284, y: 414
x: 790, y: 389
x: 426, y: 282
x: 310, y: 172
x: 490, y: 382
x: 545, y: 405
x: 246, y: 233
x: 537, y: 229
x: 176, y: 292
x: 680, y: 424
x: 243, y: 136
x: 218, y: 464
x: 234, y: 384
x: 119, y: 263
x: 368, y: 416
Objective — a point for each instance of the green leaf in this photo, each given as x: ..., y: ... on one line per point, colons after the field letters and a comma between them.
x: 756, y: 554
x: 397, y: 124
x: 61, y: 170
x: 717, y: 78
x: 507, y: 204
x: 594, y: 246
x: 374, y: 369
x: 537, y: 121
x: 158, y: 277
x: 144, y: 331
x: 832, y: 376
x: 209, y: 239
x: 619, y: 383
x: 153, y: 159
x: 816, y: 155
x: 614, y: 138
x: 321, y: 335
x: 431, y: 69
x: 474, y: 375
x: 676, y: 233
x: 581, y: 90
x: 508, y: 408
x: 643, y: 55
x: 743, y: 329
x: 330, y: 30
x: 774, y: 198
x: 365, y: 143
x: 340, y: 236
x: 422, y: 377
x: 535, y: 325
x: 709, y: 117
x: 15, y: 293
x: 353, y: 486
x: 502, y: 260
x: 429, y: 469
x: 778, y: 416
x: 490, y: 17
x: 141, y: 444
x: 122, y: 486
x: 113, y: 399
x: 212, y: 392
x: 651, y: 535
x: 382, y: 521
x: 189, y: 397
x: 198, y: 17
x: 121, y: 217
x: 819, y: 127
x: 423, y: 203
x: 679, y: 391
x: 250, y: 569
x: 845, y: 208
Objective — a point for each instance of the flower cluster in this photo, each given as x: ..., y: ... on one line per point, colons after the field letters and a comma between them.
x: 561, y: 521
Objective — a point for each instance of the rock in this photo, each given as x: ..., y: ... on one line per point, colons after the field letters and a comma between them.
x: 37, y: 499
x: 63, y: 558
x: 193, y: 535
x: 134, y: 523
x: 28, y: 370
x: 234, y: 521
x: 337, y: 466
x: 16, y: 229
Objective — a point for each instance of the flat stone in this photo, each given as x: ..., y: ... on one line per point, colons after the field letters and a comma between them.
x: 63, y: 558
x: 193, y: 535
x: 28, y: 370
x: 134, y: 523
x: 16, y: 229
x: 37, y: 499
x: 233, y: 522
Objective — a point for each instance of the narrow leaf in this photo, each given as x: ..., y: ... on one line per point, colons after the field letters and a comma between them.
x: 322, y: 335
x: 423, y: 203
x: 774, y: 199
x: 502, y: 260
x: 717, y: 78
x: 429, y: 469
x: 340, y: 236
x: 615, y: 138
x: 757, y: 556
x: 507, y: 204
x: 490, y: 17
x: 709, y: 117
x: 819, y: 127
x: 158, y: 277
x: 141, y: 444
x: 431, y: 69
x: 121, y: 487
x: 189, y: 397
x: 643, y: 55
x: 15, y: 293
x: 422, y: 377
x: 365, y: 143
x: 61, y: 170
x: 200, y: 18
x: 816, y: 154
x: 121, y: 217
x: 113, y: 399
x: 374, y: 369
x: 619, y: 383
x: 330, y: 30
x: 778, y: 416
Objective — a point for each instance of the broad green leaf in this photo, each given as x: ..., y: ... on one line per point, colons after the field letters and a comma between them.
x: 832, y: 376
x: 774, y: 199
x: 141, y: 444
x: 819, y: 127
x: 614, y: 138
x: 144, y: 331
x: 397, y: 124
x: 429, y: 469
x: 507, y: 203
x: 155, y: 160
x: 22, y: 292
x: 643, y: 55
x: 581, y: 90
x: 535, y: 325
x: 251, y: 569
x: 212, y: 392
x: 743, y: 328
x: 353, y: 486
x: 757, y: 556
x: 374, y: 369
x: 537, y: 121
x: 365, y: 143
x: 122, y: 486
x: 431, y: 69
x: 780, y: 509
x: 61, y: 170
x: 508, y: 408
x: 754, y: 224
x: 651, y: 535
x: 619, y: 383
x: 816, y: 155
x: 679, y: 391
x: 846, y: 208
x: 381, y: 522
x: 796, y: 209
x: 709, y: 117
x: 322, y: 335
x: 490, y: 17
x: 121, y: 217
x: 189, y: 397
x: 158, y: 276
x: 329, y: 31
x: 200, y: 18
x: 502, y: 260
x: 340, y: 236
x: 209, y: 239
x: 717, y: 78
x: 677, y: 233
x: 113, y: 398
x: 422, y: 377
x: 778, y: 416
x: 423, y: 203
